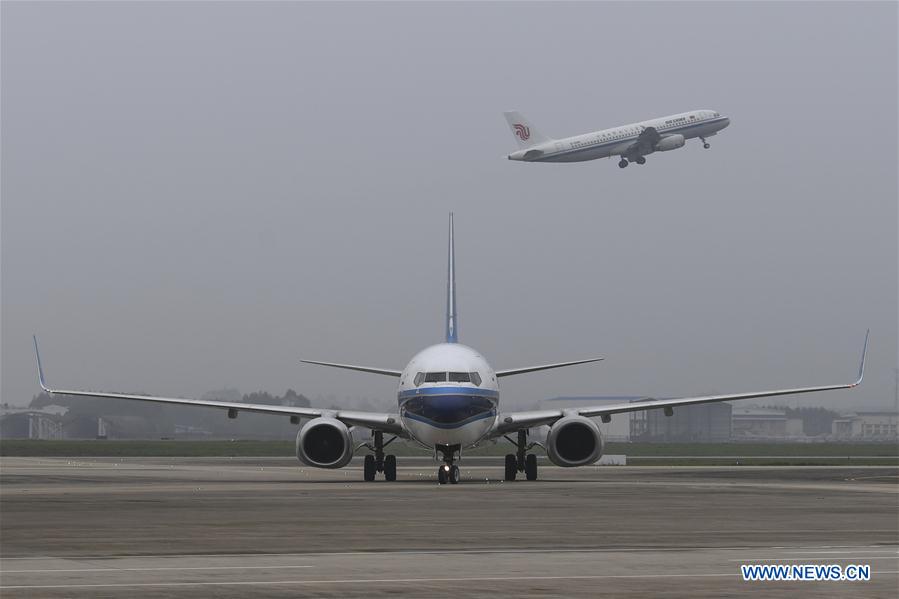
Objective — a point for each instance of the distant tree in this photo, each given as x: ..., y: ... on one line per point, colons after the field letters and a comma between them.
x: 227, y: 394
x: 41, y: 400
x: 292, y: 398
x: 262, y: 397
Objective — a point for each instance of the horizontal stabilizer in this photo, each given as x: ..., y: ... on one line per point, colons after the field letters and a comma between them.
x: 512, y: 371
x: 368, y: 369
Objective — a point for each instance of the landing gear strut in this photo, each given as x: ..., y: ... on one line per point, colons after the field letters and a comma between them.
x: 449, y: 472
x: 521, y: 460
x: 379, y: 462
x: 705, y: 144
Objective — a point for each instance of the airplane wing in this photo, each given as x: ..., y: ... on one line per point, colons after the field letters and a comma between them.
x: 512, y: 421
x: 389, y: 423
x: 645, y: 142
x: 511, y: 371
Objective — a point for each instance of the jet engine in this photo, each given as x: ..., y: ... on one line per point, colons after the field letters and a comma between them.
x: 574, y: 441
x: 672, y: 142
x: 325, y: 443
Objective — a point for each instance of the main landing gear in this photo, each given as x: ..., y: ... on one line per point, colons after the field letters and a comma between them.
x: 449, y: 472
x: 379, y: 462
x: 624, y: 161
x: 705, y: 144
x: 521, y: 461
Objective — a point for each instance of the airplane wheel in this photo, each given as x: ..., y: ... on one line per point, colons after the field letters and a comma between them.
x: 442, y: 475
x: 622, y: 163
x: 641, y: 160
x: 706, y: 146
x: 511, y: 466
x: 390, y: 467
x: 369, y: 469
x: 454, y: 474
x: 530, y: 466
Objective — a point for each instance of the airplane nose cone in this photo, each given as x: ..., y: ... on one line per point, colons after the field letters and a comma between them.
x: 727, y: 122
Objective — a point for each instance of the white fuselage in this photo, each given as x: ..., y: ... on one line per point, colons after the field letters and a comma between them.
x: 438, y: 406
x: 616, y: 141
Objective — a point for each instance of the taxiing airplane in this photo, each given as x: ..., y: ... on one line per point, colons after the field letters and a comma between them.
x: 632, y: 142
x: 448, y: 401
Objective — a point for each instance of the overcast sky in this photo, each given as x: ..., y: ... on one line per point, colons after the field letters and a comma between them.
x: 196, y: 196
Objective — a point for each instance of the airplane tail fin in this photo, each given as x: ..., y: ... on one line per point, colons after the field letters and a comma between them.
x: 452, y: 331
x: 525, y: 133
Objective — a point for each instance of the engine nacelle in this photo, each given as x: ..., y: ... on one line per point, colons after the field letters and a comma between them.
x: 325, y: 443
x: 672, y: 142
x: 574, y: 441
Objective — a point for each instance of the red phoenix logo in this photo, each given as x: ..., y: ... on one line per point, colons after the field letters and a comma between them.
x: 522, y: 131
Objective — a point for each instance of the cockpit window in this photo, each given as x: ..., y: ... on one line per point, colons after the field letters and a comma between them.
x: 440, y: 377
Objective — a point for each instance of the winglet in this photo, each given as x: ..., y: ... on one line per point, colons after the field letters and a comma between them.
x: 40, y: 369
x: 861, y: 368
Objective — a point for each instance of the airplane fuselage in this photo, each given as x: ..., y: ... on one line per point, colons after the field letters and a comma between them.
x: 618, y: 140
x: 448, y: 396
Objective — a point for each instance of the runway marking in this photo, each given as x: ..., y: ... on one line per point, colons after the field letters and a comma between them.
x: 385, y: 580
x: 455, y: 552
x: 769, y: 559
x: 368, y: 581
x: 156, y: 569
x: 833, y: 552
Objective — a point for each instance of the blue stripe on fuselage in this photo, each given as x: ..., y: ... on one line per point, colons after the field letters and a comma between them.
x: 472, y: 391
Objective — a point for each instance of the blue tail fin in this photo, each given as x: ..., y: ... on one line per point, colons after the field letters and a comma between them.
x: 452, y: 323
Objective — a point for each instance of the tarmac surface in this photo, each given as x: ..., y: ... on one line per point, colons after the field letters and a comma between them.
x: 265, y: 527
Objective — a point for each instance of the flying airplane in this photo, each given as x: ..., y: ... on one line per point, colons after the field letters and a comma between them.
x: 632, y: 142
x: 448, y: 401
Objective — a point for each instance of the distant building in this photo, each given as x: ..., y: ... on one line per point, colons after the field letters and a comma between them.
x: 760, y: 424
x: 26, y: 423
x: 867, y: 426
x: 704, y: 423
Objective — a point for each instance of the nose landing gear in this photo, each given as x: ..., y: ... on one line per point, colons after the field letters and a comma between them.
x: 378, y: 462
x: 521, y: 461
x: 705, y: 144
x: 449, y: 472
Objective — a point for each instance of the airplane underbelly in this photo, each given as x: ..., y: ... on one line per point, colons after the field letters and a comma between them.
x: 465, y: 435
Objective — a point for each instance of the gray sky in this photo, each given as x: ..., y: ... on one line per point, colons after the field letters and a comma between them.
x: 196, y: 196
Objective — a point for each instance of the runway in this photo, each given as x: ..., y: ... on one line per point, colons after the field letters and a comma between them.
x: 195, y: 527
